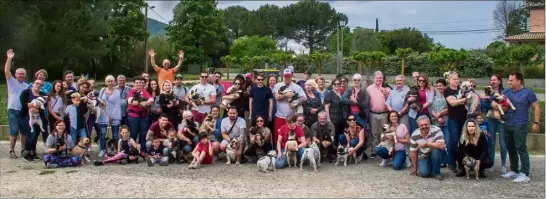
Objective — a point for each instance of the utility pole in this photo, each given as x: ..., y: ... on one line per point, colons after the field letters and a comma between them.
x: 146, y: 37
x: 338, y: 62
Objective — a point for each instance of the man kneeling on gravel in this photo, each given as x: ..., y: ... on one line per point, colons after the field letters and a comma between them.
x: 58, y: 146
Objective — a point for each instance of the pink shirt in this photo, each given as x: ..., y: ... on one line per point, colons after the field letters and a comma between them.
x: 136, y: 111
x: 401, y: 132
x: 377, y: 99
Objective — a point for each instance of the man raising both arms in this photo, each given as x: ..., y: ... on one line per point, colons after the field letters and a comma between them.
x: 165, y: 73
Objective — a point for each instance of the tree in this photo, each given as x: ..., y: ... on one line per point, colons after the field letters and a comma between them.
x: 281, y: 58
x: 364, y: 39
x: 448, y: 59
x: 313, y: 21
x: 510, y: 17
x: 253, y: 46
x: 368, y: 59
x: 403, y: 53
x: 228, y: 61
x: 197, y: 28
x: 521, y: 56
x: 235, y: 18
x: 319, y: 59
x: 405, y: 38
x: 347, y: 39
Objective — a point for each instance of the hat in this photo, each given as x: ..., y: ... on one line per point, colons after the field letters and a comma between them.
x: 178, y: 76
x: 249, y: 76
x: 287, y: 73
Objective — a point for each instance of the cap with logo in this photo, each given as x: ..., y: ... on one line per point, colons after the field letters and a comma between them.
x: 287, y: 73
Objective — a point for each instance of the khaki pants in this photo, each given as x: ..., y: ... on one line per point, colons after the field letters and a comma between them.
x: 376, y: 126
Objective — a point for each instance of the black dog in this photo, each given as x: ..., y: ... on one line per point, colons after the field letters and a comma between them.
x: 133, y: 152
x: 413, y: 92
x: 137, y: 97
x: 176, y: 154
x: 111, y: 147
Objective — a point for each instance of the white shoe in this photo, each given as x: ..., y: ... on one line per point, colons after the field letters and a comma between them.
x: 101, y: 153
x: 383, y: 162
x: 408, y: 163
x: 522, y: 178
x: 503, y: 169
x: 510, y: 174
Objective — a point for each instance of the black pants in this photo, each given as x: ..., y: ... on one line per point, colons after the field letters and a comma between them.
x: 484, y: 163
x: 340, y: 128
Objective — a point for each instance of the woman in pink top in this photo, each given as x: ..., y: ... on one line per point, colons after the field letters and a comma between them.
x: 138, y: 102
x: 398, y: 155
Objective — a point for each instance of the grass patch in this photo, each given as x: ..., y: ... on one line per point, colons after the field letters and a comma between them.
x: 72, y: 171
x: 3, y: 104
x: 12, y: 171
x: 537, y: 90
x: 46, y: 172
x: 27, y: 167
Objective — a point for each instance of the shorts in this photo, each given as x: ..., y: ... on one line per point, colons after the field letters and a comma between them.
x: 16, y: 124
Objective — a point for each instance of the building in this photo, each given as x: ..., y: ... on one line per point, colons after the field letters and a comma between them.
x: 536, y: 26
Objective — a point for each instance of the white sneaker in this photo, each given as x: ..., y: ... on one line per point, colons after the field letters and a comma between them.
x: 408, y: 163
x: 503, y: 169
x: 383, y: 162
x: 522, y: 178
x: 510, y: 174
x: 101, y: 153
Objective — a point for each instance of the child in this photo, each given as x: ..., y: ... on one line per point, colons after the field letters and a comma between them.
x: 483, y: 126
x: 76, y: 117
x: 158, y: 154
x: 202, y: 154
x: 127, y: 150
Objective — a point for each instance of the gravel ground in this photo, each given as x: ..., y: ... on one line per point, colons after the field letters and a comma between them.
x: 366, y: 179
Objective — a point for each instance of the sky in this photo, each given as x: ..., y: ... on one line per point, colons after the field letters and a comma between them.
x: 427, y: 16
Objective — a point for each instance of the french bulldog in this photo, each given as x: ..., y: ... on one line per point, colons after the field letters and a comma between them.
x: 313, y: 155
x: 291, y: 155
x: 471, y: 164
x: 195, y: 96
x: 342, y: 154
x: 34, y: 114
x: 267, y: 162
x: 231, y: 150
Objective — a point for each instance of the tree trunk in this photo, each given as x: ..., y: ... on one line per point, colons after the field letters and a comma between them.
x: 403, y: 65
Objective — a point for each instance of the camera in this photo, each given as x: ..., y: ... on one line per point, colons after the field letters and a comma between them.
x: 60, y: 142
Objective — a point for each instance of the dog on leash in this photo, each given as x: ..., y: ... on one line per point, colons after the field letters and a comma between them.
x: 231, y: 150
x: 289, y: 154
x: 313, y: 155
x: 388, y: 143
x: 81, y: 150
x: 34, y: 114
x: 499, y: 103
x: 267, y: 162
x: 343, y: 154
x: 471, y: 164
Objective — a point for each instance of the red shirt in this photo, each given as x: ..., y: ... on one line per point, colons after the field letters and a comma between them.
x: 204, y: 148
x: 157, y: 130
x: 136, y: 111
x: 423, y: 100
x: 283, y: 131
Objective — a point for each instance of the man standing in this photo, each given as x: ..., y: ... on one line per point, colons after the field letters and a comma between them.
x: 261, y: 100
x: 396, y: 99
x: 426, y: 146
x: 284, y: 109
x: 306, y: 76
x: 204, y: 96
x: 219, y: 87
x: 69, y: 79
x: 123, y: 90
x: 16, y: 85
x: 166, y: 73
x: 179, y: 90
x: 378, y: 111
x: 516, y: 129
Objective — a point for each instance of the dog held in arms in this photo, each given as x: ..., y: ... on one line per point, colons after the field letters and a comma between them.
x: 498, y: 105
x: 388, y: 143
x: 195, y: 96
x: 34, y: 114
x: 290, y: 154
x: 267, y: 163
x: 313, y: 155
x: 472, y: 99
x: 232, y: 149
x: 294, y: 101
x: 412, y: 99
x: 81, y: 150
x: 471, y: 164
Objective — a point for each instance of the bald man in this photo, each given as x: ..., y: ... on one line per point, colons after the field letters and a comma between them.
x: 165, y: 73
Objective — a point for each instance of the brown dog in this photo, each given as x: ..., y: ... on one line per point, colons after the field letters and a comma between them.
x: 80, y: 149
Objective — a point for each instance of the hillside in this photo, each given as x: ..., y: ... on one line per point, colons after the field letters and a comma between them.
x: 156, y: 27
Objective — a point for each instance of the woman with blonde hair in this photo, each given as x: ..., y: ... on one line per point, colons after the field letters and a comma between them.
x: 110, y: 101
x: 473, y: 144
x: 321, y: 88
x: 313, y: 104
x: 169, y: 103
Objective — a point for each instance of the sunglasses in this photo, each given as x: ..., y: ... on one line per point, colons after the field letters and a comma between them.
x: 236, y: 83
x: 421, y: 80
x: 351, y: 119
x: 259, y: 79
x: 356, y: 80
x: 259, y: 121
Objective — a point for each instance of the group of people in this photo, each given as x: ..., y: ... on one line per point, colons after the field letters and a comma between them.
x: 256, y: 114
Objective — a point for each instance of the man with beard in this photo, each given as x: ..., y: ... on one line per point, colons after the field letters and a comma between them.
x: 323, y: 132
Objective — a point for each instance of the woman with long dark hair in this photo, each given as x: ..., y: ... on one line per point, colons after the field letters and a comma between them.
x: 155, y: 108
x: 56, y: 103
x: 495, y: 126
x: 334, y: 108
x: 271, y: 82
x: 426, y: 95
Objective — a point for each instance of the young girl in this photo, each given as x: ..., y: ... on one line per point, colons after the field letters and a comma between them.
x: 158, y: 154
x: 127, y: 150
x: 202, y: 154
x: 76, y: 117
x: 58, y: 146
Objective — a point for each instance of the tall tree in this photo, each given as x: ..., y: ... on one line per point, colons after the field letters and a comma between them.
x: 365, y: 40
x: 405, y: 38
x: 198, y: 28
x: 319, y: 59
x: 313, y: 21
x: 510, y: 17
x: 347, y: 39
x: 253, y: 46
x: 403, y: 53
x: 235, y: 18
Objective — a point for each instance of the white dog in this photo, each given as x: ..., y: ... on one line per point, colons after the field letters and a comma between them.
x: 232, y: 148
x: 472, y: 99
x: 267, y: 163
x: 34, y: 114
x: 313, y: 155
x: 94, y: 105
x: 388, y: 143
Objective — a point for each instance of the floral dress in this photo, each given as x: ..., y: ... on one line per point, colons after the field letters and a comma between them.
x: 439, y: 103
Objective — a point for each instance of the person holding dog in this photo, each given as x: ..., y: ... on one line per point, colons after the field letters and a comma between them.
x: 31, y: 137
x: 283, y: 138
x: 137, y: 117
x: 426, y: 145
x: 474, y: 145
x: 457, y: 115
x: 399, y: 152
x: 284, y: 109
x: 426, y: 95
x: 233, y: 127
x: 58, y: 146
x: 323, y: 132
x: 207, y: 97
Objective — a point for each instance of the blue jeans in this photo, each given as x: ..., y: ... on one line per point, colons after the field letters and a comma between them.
x: 138, y: 126
x: 16, y: 124
x: 398, y: 160
x: 279, y: 164
x: 75, y: 133
x: 452, y: 138
x: 430, y: 166
x: 92, y: 124
x: 494, y: 127
x: 361, y: 121
x: 103, y: 128
x: 445, y: 157
x: 354, y: 141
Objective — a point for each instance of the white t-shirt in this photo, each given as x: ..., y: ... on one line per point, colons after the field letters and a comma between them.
x: 238, y: 129
x: 284, y: 109
x: 207, y: 91
x: 15, y: 88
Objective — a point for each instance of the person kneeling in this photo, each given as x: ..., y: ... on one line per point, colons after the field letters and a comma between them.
x: 203, y: 152
x: 474, y: 145
x: 58, y: 147
x: 427, y: 142
x: 159, y: 154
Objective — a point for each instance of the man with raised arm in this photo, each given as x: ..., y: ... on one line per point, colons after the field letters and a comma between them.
x: 165, y: 73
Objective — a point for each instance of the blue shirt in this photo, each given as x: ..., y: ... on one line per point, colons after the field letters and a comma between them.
x: 260, y: 100
x: 15, y: 88
x: 46, y: 87
x: 72, y: 112
x: 112, y: 101
x: 522, y: 100
x: 397, y: 97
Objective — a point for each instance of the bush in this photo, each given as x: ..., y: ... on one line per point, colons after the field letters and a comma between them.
x: 534, y: 72
x: 478, y: 64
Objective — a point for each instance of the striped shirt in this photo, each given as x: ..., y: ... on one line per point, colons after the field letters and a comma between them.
x: 435, y: 135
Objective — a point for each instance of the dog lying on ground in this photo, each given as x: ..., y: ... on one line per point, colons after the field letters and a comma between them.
x: 110, y: 147
x: 267, y: 163
x: 499, y: 103
x: 313, y: 155
x: 34, y: 114
x: 471, y: 164
x: 289, y: 154
x: 231, y: 151
x: 81, y: 150
x: 388, y: 143
x: 342, y: 155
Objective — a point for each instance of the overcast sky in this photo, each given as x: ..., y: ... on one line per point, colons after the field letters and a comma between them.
x: 424, y: 15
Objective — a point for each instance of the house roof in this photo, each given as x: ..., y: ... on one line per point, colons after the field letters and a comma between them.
x: 537, y: 5
x: 526, y: 36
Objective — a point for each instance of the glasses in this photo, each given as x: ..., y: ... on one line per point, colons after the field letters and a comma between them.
x: 259, y: 79
x: 259, y: 121
x: 356, y: 80
x: 351, y: 119
x: 421, y: 80
x: 236, y: 83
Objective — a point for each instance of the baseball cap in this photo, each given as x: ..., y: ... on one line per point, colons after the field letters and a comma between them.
x: 249, y: 75
x: 287, y: 73
x: 178, y: 76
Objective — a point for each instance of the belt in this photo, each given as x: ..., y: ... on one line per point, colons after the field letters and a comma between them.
x: 378, y: 112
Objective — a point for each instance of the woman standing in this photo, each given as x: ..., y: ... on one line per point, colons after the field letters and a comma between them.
x: 169, y: 103
x: 110, y: 99
x: 457, y: 115
x: 56, y: 103
x: 26, y: 97
x: 313, y: 104
x: 438, y: 112
x: 494, y: 125
x: 332, y: 105
x: 271, y: 82
x: 321, y: 89
x: 399, y: 151
x: 237, y: 101
x: 474, y: 145
x: 155, y: 108
x: 426, y: 94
